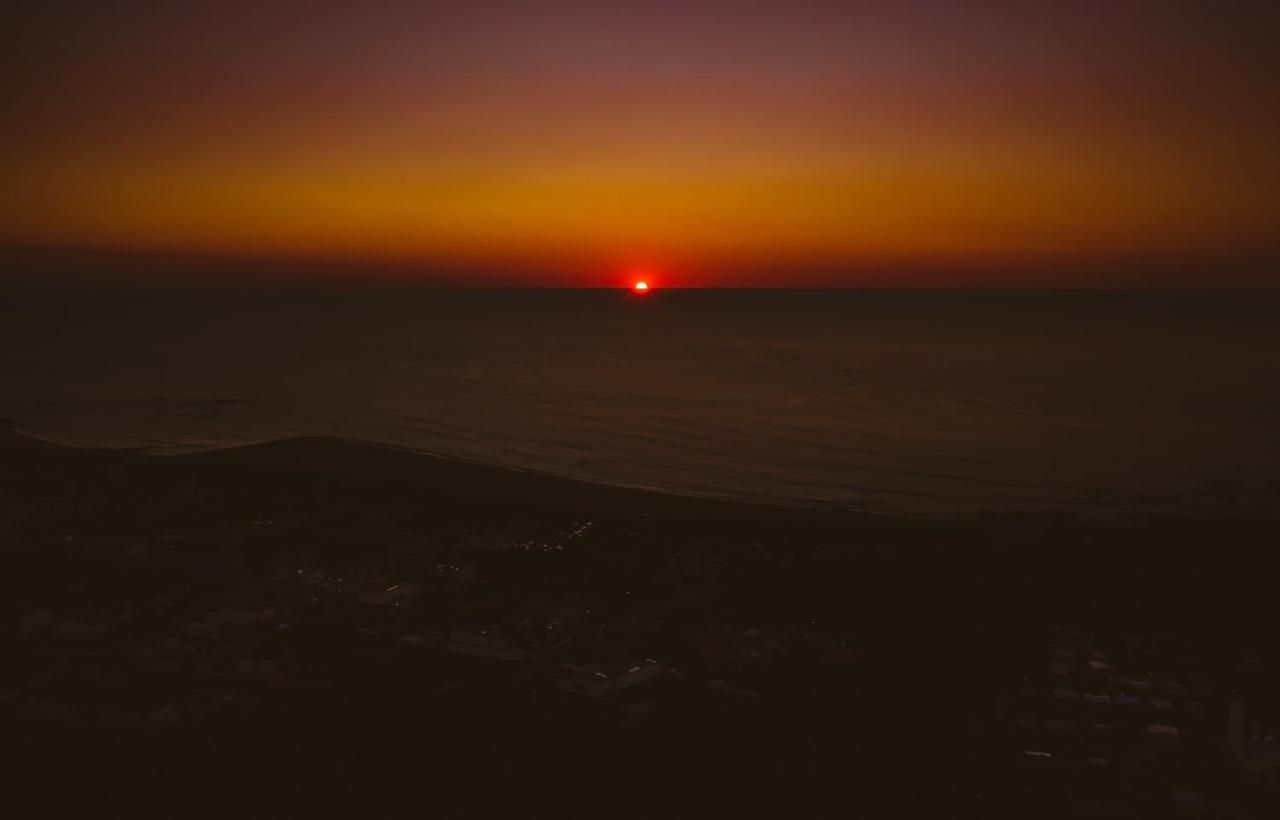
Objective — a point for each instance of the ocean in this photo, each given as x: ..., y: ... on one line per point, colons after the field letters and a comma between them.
x: 900, y: 402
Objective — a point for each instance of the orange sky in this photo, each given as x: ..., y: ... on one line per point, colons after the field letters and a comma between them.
x: 574, y: 141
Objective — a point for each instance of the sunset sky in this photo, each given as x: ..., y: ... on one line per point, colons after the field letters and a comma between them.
x: 703, y: 142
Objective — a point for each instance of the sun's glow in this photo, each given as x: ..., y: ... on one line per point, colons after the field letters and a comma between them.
x: 640, y: 287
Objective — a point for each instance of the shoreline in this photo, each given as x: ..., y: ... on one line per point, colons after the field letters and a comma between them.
x: 363, y: 460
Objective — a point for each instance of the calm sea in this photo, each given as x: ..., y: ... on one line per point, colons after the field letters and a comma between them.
x: 928, y: 402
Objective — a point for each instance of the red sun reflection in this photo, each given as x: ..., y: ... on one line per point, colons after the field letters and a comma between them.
x: 640, y: 287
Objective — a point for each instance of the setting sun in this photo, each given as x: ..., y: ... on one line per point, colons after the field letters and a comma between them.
x: 640, y: 287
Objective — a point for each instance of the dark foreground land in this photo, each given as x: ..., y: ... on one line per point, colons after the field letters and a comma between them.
x: 326, y: 625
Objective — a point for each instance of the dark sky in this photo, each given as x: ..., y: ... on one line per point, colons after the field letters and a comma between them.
x: 709, y: 143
